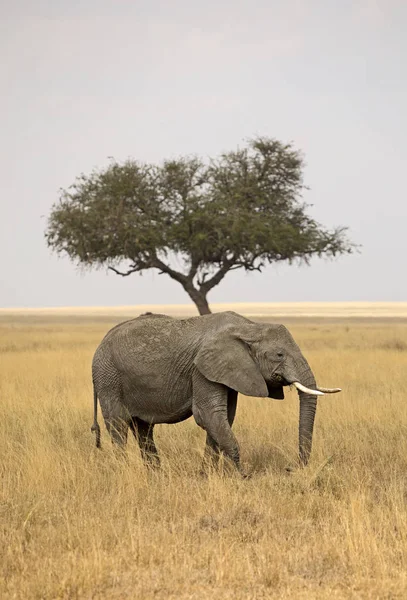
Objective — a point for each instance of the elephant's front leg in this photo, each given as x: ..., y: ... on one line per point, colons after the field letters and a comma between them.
x: 210, y: 410
x: 212, y: 452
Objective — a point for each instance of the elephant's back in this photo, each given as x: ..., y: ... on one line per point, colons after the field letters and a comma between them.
x: 154, y: 358
x: 131, y: 325
x: 141, y: 343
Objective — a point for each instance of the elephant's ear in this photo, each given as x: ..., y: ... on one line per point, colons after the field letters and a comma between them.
x: 225, y: 358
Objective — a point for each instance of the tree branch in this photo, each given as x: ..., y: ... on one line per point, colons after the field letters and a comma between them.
x: 159, y: 264
x: 129, y: 272
x: 135, y: 267
x: 206, y: 286
x: 153, y: 262
x: 194, y: 268
x: 249, y: 264
x: 203, y: 278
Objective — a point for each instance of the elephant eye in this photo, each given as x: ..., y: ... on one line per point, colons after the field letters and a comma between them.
x: 280, y: 354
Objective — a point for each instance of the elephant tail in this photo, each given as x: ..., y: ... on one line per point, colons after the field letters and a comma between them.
x: 95, y: 427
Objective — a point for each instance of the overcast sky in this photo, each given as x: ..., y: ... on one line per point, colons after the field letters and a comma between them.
x: 82, y: 81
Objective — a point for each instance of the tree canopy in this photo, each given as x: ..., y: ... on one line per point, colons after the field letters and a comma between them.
x: 241, y: 210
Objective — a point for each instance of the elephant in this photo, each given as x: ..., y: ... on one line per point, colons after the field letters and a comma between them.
x: 158, y: 369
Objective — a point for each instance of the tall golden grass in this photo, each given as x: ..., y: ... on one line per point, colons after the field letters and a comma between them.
x: 80, y: 523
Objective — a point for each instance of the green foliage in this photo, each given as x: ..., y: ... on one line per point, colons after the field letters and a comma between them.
x: 242, y: 210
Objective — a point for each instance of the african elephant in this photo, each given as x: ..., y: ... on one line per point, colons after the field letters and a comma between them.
x: 157, y: 369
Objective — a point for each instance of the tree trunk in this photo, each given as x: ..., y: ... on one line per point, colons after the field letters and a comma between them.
x: 199, y: 299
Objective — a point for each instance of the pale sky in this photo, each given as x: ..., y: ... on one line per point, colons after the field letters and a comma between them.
x: 83, y: 81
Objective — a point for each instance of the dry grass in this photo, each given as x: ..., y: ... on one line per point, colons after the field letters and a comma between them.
x: 395, y: 310
x: 78, y: 523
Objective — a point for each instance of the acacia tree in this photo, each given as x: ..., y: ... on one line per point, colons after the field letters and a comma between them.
x: 242, y: 210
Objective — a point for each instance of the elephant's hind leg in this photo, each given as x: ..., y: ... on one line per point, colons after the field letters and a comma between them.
x: 117, y: 429
x: 143, y: 432
x: 115, y: 414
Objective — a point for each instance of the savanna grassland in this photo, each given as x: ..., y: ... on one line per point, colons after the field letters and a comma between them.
x: 76, y: 522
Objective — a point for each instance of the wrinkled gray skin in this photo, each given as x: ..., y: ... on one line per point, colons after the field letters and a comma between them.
x: 156, y: 369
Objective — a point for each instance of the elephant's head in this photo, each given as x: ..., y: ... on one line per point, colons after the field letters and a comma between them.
x: 259, y: 360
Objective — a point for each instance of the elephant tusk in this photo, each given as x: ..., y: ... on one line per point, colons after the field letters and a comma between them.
x: 302, y: 388
x: 329, y: 390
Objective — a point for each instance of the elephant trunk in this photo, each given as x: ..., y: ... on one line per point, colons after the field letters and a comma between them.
x: 308, y: 406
